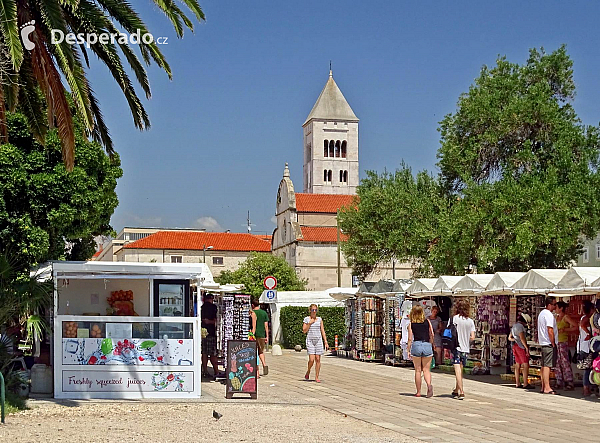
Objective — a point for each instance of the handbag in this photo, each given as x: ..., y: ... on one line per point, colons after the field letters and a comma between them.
x: 585, y: 360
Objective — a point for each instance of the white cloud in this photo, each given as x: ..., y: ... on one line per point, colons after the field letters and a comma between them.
x: 274, y: 220
x: 144, y: 222
x: 208, y: 223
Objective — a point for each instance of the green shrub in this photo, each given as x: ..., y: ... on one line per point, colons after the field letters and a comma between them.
x: 291, y: 318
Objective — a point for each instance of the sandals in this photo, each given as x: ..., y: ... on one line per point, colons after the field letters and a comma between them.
x: 306, y: 376
x: 528, y: 387
x: 429, y: 391
x: 317, y: 380
x: 551, y: 393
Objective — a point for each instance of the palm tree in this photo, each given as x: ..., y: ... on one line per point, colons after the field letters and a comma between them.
x: 22, y: 70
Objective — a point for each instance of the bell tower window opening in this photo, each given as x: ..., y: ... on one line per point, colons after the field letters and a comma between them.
x: 331, y: 148
x: 329, y: 176
x: 337, y: 148
x: 341, y: 176
x: 326, y: 148
x: 344, y: 145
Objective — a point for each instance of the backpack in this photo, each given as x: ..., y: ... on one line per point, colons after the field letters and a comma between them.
x: 450, y: 336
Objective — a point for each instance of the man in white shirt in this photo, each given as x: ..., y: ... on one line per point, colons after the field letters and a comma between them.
x: 465, y: 329
x: 548, y: 339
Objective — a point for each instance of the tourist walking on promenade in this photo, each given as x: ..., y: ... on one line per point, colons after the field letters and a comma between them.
x: 548, y: 339
x: 583, y: 346
x: 521, y: 350
x: 315, y: 337
x: 465, y: 329
x: 260, y: 328
x: 436, y: 324
x: 420, y: 348
x: 563, y: 370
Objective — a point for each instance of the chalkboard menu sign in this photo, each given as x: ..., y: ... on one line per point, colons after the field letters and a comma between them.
x: 241, y: 368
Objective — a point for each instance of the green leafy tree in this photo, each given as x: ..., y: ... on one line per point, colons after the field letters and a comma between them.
x: 47, y: 212
x: 518, y: 184
x: 256, y: 267
x: 45, y: 64
x: 396, y: 216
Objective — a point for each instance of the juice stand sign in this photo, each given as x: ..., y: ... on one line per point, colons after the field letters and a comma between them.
x: 241, y: 368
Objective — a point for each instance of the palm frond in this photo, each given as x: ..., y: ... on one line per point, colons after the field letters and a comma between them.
x: 68, y: 60
x: 59, y: 112
x: 100, y: 132
x: 169, y: 8
x: 195, y: 8
x: 30, y: 104
x: 3, y: 127
x: 10, y: 31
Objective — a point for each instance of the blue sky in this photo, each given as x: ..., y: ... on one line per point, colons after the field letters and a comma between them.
x: 245, y: 81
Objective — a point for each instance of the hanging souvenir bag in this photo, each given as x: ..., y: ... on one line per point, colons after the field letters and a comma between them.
x: 596, y: 364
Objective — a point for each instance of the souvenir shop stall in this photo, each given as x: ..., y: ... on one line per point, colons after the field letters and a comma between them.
x: 490, y: 312
x: 578, y: 285
x: 530, y: 291
x: 126, y: 330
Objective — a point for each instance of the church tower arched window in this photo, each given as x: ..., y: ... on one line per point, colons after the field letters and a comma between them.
x: 331, y: 147
x: 344, y: 145
x: 326, y: 148
x: 337, y: 148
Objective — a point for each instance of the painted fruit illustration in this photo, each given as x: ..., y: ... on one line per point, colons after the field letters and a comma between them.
x: 236, y: 383
x: 249, y: 385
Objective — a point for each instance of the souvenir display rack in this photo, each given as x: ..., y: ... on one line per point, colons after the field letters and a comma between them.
x: 490, y: 314
x: 233, y: 320
x: 345, y: 349
x: 371, y: 314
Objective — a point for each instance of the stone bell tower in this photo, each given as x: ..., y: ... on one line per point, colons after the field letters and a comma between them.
x: 331, y: 144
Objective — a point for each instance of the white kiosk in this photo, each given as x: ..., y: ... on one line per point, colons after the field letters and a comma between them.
x: 126, y: 330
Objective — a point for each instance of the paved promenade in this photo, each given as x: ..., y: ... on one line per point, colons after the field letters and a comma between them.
x: 356, y: 402
x: 383, y: 395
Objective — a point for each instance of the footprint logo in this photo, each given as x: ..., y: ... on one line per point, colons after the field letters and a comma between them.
x: 26, y: 31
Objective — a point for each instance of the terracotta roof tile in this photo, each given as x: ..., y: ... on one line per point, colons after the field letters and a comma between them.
x: 323, y: 203
x: 265, y: 237
x: 220, y: 241
x: 321, y: 234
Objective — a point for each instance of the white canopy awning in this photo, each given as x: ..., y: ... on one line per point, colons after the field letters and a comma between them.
x: 579, y: 280
x: 444, y: 284
x: 501, y: 283
x: 472, y: 284
x: 538, y: 281
x: 341, y: 294
x: 421, y: 287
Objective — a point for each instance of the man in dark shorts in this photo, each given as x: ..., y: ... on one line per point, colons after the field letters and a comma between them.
x: 208, y: 314
x: 261, y: 332
x: 548, y: 339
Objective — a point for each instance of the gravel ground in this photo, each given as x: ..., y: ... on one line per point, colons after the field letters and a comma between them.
x: 177, y: 422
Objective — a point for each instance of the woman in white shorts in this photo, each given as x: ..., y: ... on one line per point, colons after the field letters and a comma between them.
x: 315, y: 336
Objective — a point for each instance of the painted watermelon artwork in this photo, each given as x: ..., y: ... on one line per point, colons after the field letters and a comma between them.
x: 249, y: 385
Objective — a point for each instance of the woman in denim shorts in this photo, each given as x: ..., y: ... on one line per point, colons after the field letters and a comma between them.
x: 420, y: 348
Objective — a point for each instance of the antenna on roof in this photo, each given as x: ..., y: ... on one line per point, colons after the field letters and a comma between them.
x: 248, y: 220
x: 330, y: 72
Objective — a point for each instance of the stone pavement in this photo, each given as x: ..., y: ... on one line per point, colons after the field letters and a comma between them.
x: 383, y: 395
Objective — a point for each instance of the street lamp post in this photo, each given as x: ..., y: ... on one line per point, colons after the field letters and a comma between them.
x: 204, y: 249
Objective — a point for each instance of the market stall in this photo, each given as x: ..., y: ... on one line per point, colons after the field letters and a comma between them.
x: 126, y: 330
x: 531, y: 290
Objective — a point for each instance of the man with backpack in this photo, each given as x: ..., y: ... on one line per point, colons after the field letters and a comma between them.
x: 457, y: 337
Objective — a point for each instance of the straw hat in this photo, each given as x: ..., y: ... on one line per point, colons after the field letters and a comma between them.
x: 527, y: 318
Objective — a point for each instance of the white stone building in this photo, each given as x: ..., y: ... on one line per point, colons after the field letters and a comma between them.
x: 219, y: 250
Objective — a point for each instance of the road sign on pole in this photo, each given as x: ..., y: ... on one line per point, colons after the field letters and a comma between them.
x: 270, y: 282
x: 268, y: 296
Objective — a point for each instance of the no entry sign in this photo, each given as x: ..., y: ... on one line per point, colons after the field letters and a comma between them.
x: 270, y: 282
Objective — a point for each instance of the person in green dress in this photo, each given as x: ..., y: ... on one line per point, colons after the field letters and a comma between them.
x: 260, y: 328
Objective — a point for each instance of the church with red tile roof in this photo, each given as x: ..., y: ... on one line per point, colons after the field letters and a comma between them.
x: 307, y: 235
